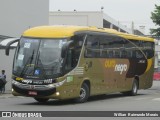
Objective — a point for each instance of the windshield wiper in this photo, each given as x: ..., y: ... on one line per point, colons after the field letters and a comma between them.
x: 30, y: 59
x: 41, y: 67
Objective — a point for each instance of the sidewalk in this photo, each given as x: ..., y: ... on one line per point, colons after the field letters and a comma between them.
x: 7, y: 94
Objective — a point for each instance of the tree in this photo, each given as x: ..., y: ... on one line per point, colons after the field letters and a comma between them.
x: 155, y: 16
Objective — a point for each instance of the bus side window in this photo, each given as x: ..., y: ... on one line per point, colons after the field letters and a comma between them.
x: 139, y: 54
x: 92, y: 47
x: 148, y: 49
x: 130, y: 49
x: 68, y: 65
x: 110, y: 54
x: 123, y: 53
x: 104, y: 53
x: 77, y: 47
x: 129, y: 53
x: 111, y: 46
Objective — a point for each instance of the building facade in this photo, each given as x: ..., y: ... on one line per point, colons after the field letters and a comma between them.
x: 86, y: 18
x: 19, y: 15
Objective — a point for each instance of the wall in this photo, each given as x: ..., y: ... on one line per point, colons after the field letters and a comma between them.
x: 6, y: 64
x: 19, y: 15
x: 76, y: 18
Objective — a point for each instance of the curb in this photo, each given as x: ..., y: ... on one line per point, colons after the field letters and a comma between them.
x: 5, y: 95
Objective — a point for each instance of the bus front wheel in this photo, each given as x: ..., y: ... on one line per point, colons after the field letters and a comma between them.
x: 84, y: 94
x: 41, y: 100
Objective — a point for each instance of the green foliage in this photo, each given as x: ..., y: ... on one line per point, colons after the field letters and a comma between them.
x: 155, y: 16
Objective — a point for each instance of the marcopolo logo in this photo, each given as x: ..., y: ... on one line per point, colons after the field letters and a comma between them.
x: 117, y: 67
x: 120, y: 68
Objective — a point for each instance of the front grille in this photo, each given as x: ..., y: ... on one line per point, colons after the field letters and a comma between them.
x: 36, y: 87
x: 24, y: 89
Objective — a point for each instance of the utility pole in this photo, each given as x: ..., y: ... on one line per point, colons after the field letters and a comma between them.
x: 102, y: 8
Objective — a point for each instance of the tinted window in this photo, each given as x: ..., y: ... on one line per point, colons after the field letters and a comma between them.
x: 104, y: 46
x: 111, y: 46
x: 146, y: 46
x: 92, y: 46
x: 148, y: 49
x: 75, y: 49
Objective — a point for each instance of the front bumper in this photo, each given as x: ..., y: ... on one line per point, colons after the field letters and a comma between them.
x: 40, y: 90
x: 40, y: 93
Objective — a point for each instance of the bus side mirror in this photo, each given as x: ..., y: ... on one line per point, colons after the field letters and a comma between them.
x: 65, y: 48
x: 8, y: 46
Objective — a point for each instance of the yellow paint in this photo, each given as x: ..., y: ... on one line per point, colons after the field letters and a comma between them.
x: 53, y: 31
x: 110, y: 63
x: 29, y: 65
x: 149, y: 64
x: 68, y: 31
x: 18, y: 78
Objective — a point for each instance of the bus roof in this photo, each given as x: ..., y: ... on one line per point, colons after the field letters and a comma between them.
x: 53, y: 31
x: 63, y: 31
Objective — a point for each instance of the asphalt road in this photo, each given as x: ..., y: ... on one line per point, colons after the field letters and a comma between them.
x: 146, y: 100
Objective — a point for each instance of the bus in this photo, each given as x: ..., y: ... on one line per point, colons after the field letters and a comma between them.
x: 76, y: 62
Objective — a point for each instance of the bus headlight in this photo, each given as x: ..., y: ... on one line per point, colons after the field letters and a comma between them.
x: 15, y: 82
x: 57, y: 93
x: 57, y: 84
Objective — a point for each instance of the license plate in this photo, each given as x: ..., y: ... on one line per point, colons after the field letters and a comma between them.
x: 32, y: 93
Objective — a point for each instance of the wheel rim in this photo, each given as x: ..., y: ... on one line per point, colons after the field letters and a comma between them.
x: 82, y: 93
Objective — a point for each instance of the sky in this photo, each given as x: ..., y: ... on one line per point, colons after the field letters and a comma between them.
x: 124, y: 11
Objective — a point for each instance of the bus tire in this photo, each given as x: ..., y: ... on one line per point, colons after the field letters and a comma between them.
x: 84, y: 94
x: 41, y: 100
x: 134, y: 90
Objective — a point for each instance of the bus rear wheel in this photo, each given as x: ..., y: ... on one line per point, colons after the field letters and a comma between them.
x: 41, y: 100
x: 84, y: 94
x: 134, y: 89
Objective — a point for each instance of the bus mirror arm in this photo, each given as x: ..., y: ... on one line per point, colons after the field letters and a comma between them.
x: 8, y: 46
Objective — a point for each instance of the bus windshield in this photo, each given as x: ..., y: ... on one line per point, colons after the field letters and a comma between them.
x: 38, y: 58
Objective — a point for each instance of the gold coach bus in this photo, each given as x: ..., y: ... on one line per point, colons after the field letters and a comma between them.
x: 66, y: 62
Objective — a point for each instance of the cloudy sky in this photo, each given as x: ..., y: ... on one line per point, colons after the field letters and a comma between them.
x: 124, y: 11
